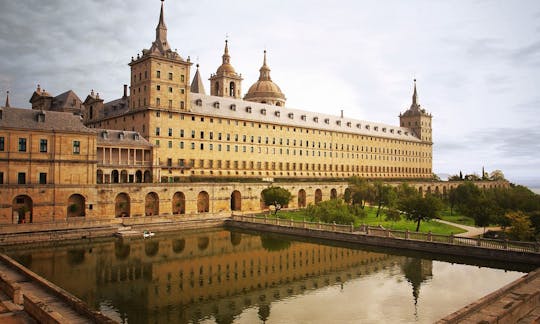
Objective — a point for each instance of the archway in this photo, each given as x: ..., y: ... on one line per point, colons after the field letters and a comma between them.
x: 76, y: 206
x: 122, y: 205
x: 333, y: 193
x: 151, y: 204
x: 138, y: 176
x: 114, y: 176
x: 147, y: 176
x: 203, y: 202
x: 236, y: 200
x: 123, y: 176
x: 99, y: 176
x: 232, y: 90
x: 179, y: 203
x: 22, y: 209
x: 318, y: 196
x: 301, y: 198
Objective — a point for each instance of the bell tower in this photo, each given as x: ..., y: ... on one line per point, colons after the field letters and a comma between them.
x: 417, y: 119
x: 226, y: 82
x: 160, y: 76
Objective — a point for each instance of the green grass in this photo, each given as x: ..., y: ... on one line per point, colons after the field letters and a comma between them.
x: 372, y: 220
x: 456, y: 217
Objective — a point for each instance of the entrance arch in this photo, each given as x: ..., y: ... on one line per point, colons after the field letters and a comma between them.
x: 147, y: 176
x: 22, y: 209
x: 236, y: 200
x: 122, y: 205
x: 318, y: 196
x: 333, y: 193
x: 76, y: 206
x: 151, y: 204
x: 203, y: 202
x: 138, y: 176
x: 301, y: 198
x: 114, y: 176
x: 179, y: 203
x: 123, y: 176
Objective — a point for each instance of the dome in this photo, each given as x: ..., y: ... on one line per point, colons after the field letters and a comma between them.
x: 225, y: 68
x: 265, y: 90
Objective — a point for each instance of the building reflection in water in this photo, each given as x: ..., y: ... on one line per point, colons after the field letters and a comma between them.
x: 191, y: 276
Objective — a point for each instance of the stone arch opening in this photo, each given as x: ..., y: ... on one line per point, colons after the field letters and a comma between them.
x: 122, y: 205
x: 147, y: 176
x: 318, y: 196
x: 236, y: 200
x: 123, y: 176
x: 333, y: 193
x: 22, y: 209
x: 203, y: 202
x: 138, y: 176
x: 232, y: 89
x: 99, y: 176
x: 179, y: 203
x: 301, y: 198
x: 115, y: 177
x: 76, y: 206
x: 151, y: 248
x: 151, y: 204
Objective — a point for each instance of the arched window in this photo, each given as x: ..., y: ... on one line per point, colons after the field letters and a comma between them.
x: 122, y: 205
x: 217, y: 88
x: 151, y: 204
x: 76, y: 206
x: 232, y: 90
x: 236, y: 200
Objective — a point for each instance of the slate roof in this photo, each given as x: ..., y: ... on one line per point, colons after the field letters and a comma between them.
x: 19, y: 118
x: 111, y: 137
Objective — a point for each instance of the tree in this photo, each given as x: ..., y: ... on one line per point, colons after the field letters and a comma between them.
x: 520, y: 226
x: 384, y: 196
x: 455, y: 177
x: 277, y: 197
x: 496, y: 175
x: 361, y: 191
x: 481, y: 209
x: 334, y: 210
x: 418, y: 208
x: 472, y: 177
x: 460, y: 175
x: 393, y: 215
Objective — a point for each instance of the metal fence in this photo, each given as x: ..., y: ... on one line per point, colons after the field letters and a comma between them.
x: 533, y: 247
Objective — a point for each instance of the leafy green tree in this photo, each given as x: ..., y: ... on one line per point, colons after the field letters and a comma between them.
x: 472, y: 177
x: 362, y: 191
x: 277, y: 197
x: 385, y: 196
x: 455, y: 177
x: 497, y: 175
x: 334, y: 210
x: 392, y: 215
x: 520, y: 226
x: 418, y: 208
x: 481, y: 209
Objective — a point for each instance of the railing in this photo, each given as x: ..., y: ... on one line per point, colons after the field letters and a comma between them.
x: 531, y: 247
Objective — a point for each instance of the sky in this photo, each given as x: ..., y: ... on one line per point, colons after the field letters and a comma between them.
x: 477, y: 62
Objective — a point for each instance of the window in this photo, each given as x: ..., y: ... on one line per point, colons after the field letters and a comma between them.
x: 42, y: 178
x: 158, y: 74
x: 192, y: 146
x: 181, y: 145
x: 170, y: 131
x: 158, y: 102
x: 158, y: 87
x: 158, y: 131
x: 170, y: 76
x: 170, y: 103
x: 76, y: 147
x: 182, y: 78
x: 158, y: 113
x: 2, y: 141
x: 170, y: 144
x: 1, y: 177
x: 21, y: 178
x: 192, y: 134
x: 170, y: 89
x: 22, y: 144
x: 181, y: 133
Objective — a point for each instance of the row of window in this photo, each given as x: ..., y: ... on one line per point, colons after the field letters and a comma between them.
x: 158, y: 75
x: 43, y: 145
x: 21, y: 178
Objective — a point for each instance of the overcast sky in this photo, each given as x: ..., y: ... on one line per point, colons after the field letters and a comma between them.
x: 477, y: 62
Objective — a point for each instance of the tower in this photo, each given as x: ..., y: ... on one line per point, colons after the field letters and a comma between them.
x: 197, y: 85
x: 226, y: 82
x: 160, y: 76
x: 265, y: 90
x: 417, y: 119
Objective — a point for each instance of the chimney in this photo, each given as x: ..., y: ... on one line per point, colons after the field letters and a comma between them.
x: 125, y: 91
x: 342, y: 113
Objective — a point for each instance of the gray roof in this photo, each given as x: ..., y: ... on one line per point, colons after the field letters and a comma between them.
x: 19, y: 118
x: 257, y: 112
x: 120, y: 138
x: 67, y: 101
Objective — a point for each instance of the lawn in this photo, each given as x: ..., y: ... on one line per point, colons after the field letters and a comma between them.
x: 456, y: 217
x: 372, y: 220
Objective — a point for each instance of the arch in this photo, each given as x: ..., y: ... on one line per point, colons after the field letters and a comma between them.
x: 232, y: 89
x: 151, y: 204
x: 236, y: 238
x: 76, y: 206
x: 138, y: 176
x: 333, y: 193
x: 437, y: 192
x: 115, y: 178
x: 122, y: 205
x: 203, y: 202
x: 151, y: 248
x: 147, y: 176
x: 444, y: 192
x: 178, y: 245
x: 99, y: 176
x: 22, y: 209
x: 236, y: 200
x: 428, y: 191
x: 203, y: 242
x: 301, y: 198
x: 179, y: 203
x: 123, y: 176
x: 318, y: 196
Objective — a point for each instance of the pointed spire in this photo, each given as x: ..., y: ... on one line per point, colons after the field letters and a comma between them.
x: 161, y: 33
x: 415, y: 96
x: 197, y: 85
x: 264, y: 70
x: 226, y: 57
x: 7, y: 100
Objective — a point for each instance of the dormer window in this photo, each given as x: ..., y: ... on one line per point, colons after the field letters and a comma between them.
x: 233, y: 107
x: 399, y: 132
x: 291, y: 115
x: 392, y: 131
x: 376, y: 128
x: 338, y: 122
x: 105, y: 134
x: 349, y: 124
x: 316, y: 119
x: 198, y: 102
x: 303, y: 117
x: 263, y: 111
x: 406, y: 133
x: 367, y: 127
x: 277, y: 113
x: 41, y: 117
x: 384, y: 129
x: 216, y: 104
x: 121, y: 136
x: 136, y: 136
x: 248, y: 109
x: 327, y: 120
x: 359, y: 125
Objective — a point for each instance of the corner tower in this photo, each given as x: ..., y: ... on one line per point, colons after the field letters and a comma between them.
x: 417, y: 119
x: 226, y: 82
x: 160, y: 76
x: 265, y: 90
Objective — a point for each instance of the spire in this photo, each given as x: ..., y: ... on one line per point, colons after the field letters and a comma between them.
x: 161, y: 33
x: 226, y: 57
x: 7, y: 100
x: 197, y: 84
x: 415, y: 96
x: 264, y: 70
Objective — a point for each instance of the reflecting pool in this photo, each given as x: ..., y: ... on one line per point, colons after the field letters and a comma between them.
x: 222, y: 276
